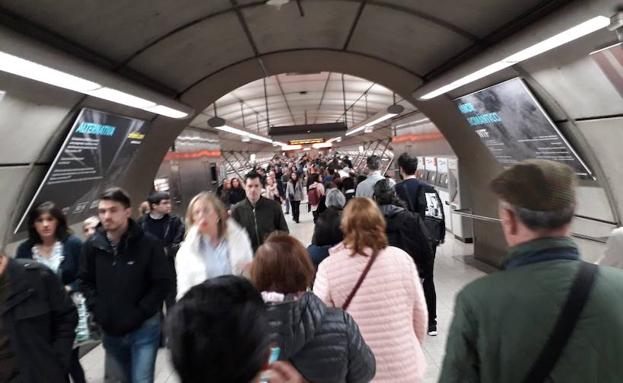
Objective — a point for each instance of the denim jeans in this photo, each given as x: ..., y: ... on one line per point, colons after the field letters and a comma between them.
x: 132, y: 357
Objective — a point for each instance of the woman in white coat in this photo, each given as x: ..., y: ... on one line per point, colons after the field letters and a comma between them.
x: 214, y: 245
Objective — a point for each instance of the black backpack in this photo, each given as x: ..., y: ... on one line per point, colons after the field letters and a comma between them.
x: 429, y: 206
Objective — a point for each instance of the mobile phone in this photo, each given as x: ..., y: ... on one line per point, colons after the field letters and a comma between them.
x: 274, y: 356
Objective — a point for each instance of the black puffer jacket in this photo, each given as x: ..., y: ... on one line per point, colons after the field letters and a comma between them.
x: 324, y: 344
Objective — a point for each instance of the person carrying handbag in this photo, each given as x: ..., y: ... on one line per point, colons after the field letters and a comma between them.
x: 378, y: 286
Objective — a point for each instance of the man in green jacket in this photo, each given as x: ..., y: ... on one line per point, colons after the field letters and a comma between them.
x: 258, y: 215
x: 503, y: 321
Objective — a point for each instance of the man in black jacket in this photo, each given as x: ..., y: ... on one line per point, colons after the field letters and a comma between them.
x: 421, y: 198
x: 258, y: 215
x: 405, y: 229
x: 125, y: 277
x: 168, y: 228
x: 37, y: 324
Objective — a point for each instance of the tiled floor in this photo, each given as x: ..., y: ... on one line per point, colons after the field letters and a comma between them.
x: 451, y: 274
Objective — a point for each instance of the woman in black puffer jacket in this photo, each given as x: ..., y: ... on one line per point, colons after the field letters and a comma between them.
x: 324, y: 344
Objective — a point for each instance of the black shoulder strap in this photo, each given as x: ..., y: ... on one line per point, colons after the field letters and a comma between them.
x: 567, y: 319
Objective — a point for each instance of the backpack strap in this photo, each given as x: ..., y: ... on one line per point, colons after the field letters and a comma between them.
x: 567, y: 319
x: 359, y: 281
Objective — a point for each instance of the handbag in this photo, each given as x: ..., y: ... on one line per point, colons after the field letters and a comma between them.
x: 87, y: 331
x: 359, y: 281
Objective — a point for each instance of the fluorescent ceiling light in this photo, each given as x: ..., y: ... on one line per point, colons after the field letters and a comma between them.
x: 605, y: 48
x: 292, y: 147
x: 38, y: 72
x: 122, y: 98
x: 306, y: 149
x: 555, y: 41
x: 322, y: 145
x: 411, y: 123
x: 338, y: 139
x: 242, y: 133
x: 166, y: 111
x: 574, y: 33
x: 24, y: 68
x: 372, y: 123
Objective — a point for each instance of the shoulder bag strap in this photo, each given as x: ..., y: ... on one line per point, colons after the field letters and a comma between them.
x: 567, y: 319
x: 359, y: 281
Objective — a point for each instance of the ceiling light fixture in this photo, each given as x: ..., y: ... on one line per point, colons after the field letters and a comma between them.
x: 573, y: 33
x: 334, y: 139
x: 220, y: 124
x: 391, y: 111
x: 291, y: 147
x: 322, y: 145
x: 32, y: 70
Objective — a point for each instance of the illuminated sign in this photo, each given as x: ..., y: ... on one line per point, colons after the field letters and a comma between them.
x: 306, y: 141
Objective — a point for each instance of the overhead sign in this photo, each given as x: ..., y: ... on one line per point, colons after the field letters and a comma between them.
x: 306, y: 141
x: 96, y: 153
x: 514, y: 126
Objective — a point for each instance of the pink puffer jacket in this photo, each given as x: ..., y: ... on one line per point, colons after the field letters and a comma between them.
x: 389, y: 308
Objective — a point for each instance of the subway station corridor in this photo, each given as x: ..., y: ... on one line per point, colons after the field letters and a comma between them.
x: 454, y: 269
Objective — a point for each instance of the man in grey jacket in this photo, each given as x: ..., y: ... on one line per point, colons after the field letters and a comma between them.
x: 366, y: 188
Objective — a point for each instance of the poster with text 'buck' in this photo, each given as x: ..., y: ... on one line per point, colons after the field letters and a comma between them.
x: 514, y: 126
x: 96, y: 153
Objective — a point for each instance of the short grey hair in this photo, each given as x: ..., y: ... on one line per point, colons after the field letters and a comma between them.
x: 373, y: 162
x: 335, y: 198
x: 541, y: 219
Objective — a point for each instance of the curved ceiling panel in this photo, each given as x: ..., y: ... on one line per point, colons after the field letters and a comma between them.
x: 407, y: 40
x: 117, y: 28
x: 187, y: 56
x: 468, y: 14
x: 324, y: 25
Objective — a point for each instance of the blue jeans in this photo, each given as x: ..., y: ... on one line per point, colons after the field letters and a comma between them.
x: 132, y: 357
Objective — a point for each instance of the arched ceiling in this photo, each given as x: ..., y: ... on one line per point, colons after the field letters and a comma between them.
x: 176, y: 44
x: 296, y: 99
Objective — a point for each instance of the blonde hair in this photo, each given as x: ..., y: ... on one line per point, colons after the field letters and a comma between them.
x: 218, y: 207
x: 363, y: 226
x: 91, y: 221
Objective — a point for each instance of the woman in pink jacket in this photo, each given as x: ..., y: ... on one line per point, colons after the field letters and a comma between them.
x: 379, y: 287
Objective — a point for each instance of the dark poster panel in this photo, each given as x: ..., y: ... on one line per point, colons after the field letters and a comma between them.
x: 514, y: 126
x: 94, y: 156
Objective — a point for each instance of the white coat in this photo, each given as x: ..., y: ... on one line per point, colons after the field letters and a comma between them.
x: 190, y: 264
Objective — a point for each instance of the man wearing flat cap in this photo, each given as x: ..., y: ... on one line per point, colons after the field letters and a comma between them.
x: 547, y: 316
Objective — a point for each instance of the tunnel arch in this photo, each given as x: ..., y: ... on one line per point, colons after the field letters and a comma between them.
x: 478, y: 164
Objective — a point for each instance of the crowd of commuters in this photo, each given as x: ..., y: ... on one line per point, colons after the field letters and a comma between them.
x: 237, y: 299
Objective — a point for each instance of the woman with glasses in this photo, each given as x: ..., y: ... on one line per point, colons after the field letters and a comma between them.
x: 215, y: 245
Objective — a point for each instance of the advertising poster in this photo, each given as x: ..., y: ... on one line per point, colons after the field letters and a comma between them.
x: 96, y: 153
x: 430, y: 164
x: 514, y: 126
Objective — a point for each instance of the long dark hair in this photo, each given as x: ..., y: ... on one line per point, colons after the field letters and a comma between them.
x: 62, y: 231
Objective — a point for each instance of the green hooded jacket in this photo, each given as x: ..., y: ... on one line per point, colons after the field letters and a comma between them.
x: 502, y: 321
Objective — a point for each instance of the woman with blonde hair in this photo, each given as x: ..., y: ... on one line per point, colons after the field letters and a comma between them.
x: 379, y: 286
x: 215, y: 245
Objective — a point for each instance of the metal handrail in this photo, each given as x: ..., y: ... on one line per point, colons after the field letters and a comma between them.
x: 466, y: 213
x: 591, y: 238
